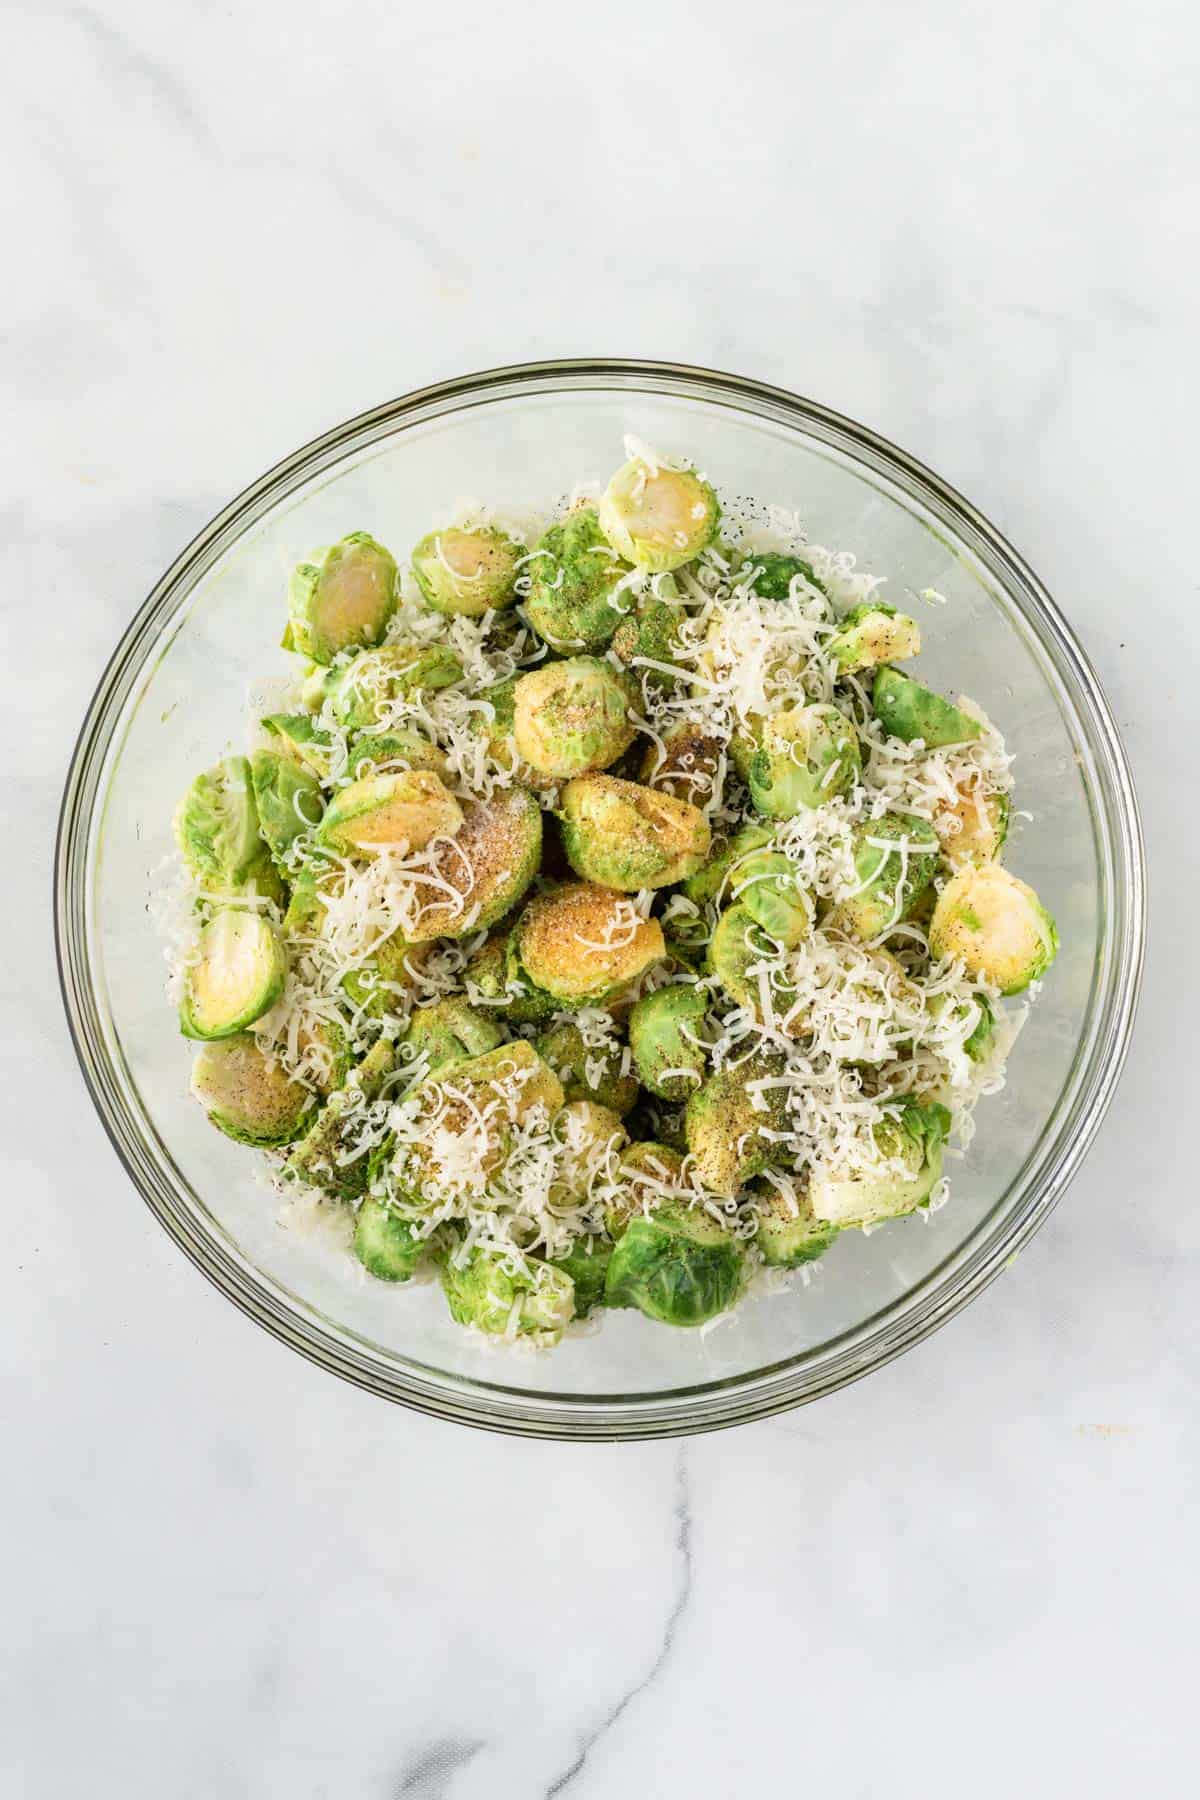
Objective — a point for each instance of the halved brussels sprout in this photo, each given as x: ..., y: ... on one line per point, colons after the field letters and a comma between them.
x: 742, y: 957
x: 488, y: 864
x: 342, y: 600
x: 789, y: 1232
x: 386, y: 1244
x: 591, y: 1137
x: 630, y: 837
x: 535, y: 1302
x: 301, y: 738
x: 288, y: 798
x: 359, y: 692
x: 248, y: 1094
x: 387, y: 812
x: 972, y: 829
x: 450, y: 1031
x: 679, y: 1266
x: 712, y: 881
x: 806, y: 756
x: 912, y: 1141
x: 907, y: 710
x: 658, y: 518
x: 573, y: 573
x: 572, y: 716
x: 873, y: 633
x: 764, y: 881
x: 996, y: 926
x: 329, y: 1156
x: 480, y: 1099
x: 650, y: 1175
x: 733, y: 1123
x: 774, y: 577
x: 381, y: 753
x: 385, y: 981
x: 664, y: 1035
x: 587, y: 1073
x: 586, y: 1262
x: 238, y: 975
x: 216, y: 827
x: 687, y: 763
x: 467, y: 572
x: 581, y: 943
x: 494, y: 978
x: 895, y: 858
x: 647, y: 641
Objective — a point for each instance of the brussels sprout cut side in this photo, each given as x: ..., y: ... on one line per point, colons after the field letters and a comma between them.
x: 248, y: 1095
x: 238, y: 975
x: 658, y: 518
x: 342, y: 600
x: 467, y: 572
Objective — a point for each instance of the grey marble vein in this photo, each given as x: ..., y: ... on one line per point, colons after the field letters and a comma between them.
x: 683, y: 1548
x: 428, y: 1774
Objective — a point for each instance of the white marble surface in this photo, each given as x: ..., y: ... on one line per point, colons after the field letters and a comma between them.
x: 225, y: 1574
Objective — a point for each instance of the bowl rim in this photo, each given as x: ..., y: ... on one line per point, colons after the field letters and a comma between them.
x: 738, y: 1399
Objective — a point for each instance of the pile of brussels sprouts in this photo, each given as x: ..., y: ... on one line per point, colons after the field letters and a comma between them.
x: 507, y: 938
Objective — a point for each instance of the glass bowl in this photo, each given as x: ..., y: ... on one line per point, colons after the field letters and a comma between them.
x: 173, y: 698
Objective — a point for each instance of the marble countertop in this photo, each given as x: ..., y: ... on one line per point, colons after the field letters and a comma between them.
x: 227, y: 1575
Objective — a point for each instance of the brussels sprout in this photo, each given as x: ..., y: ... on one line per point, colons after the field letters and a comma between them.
x: 734, y: 1121
x: 494, y: 978
x: 771, y: 575
x: 302, y: 739
x: 789, y: 1232
x: 586, y: 1262
x: 238, y: 975
x: 586, y: 1073
x: 647, y: 641
x: 996, y: 925
x: 341, y: 601
x: 383, y: 982
x: 573, y: 574
x: 664, y: 1029
x: 380, y: 753
x: 871, y: 634
x: 535, y: 1303
x: 765, y: 883
x: 678, y: 1266
x: 513, y: 1074
x: 488, y: 864
x: 687, y: 763
x: 386, y: 812
x: 912, y: 1143
x: 591, y: 1138
x: 740, y: 955
x: 360, y: 691
x: 467, y: 572
x: 650, y: 1174
x: 890, y: 880
x: 711, y: 882
x: 978, y: 1044
x: 630, y: 837
x: 328, y: 1156
x: 658, y: 518
x: 216, y: 827
x: 572, y: 716
x: 385, y: 1244
x: 972, y: 829
x: 248, y: 1094
x: 449, y: 1031
x: 288, y: 798
x: 907, y: 710
x: 807, y: 756
x: 582, y: 943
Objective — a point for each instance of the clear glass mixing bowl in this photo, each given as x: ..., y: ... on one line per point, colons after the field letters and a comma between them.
x: 174, y: 695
